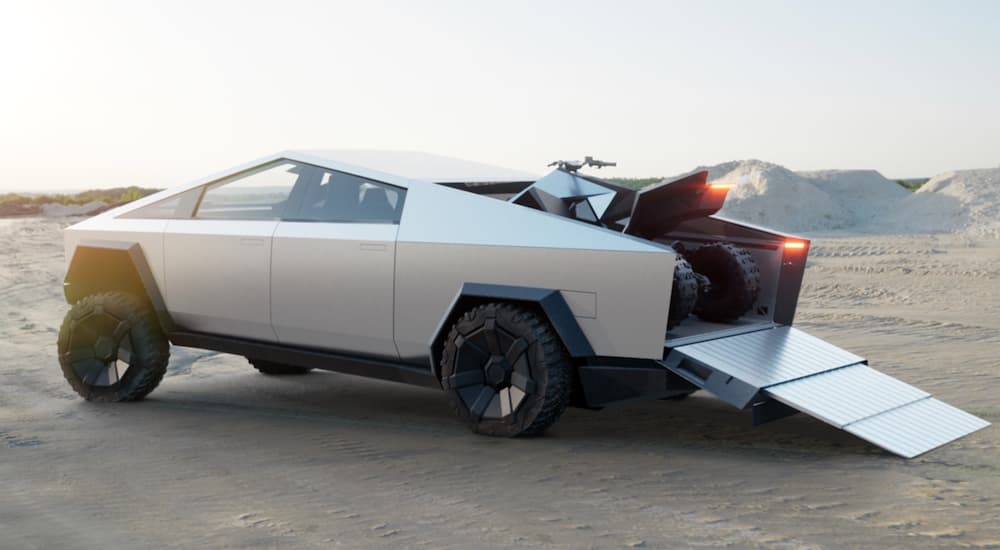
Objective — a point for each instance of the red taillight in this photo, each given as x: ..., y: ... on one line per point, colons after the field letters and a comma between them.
x: 794, y: 245
x: 721, y: 186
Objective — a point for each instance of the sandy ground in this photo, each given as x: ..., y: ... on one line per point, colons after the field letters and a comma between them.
x: 220, y: 456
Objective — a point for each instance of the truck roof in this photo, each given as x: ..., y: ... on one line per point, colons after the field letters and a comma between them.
x: 416, y: 165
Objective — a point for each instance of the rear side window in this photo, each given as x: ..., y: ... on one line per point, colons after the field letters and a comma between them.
x: 177, y: 207
x: 346, y: 198
x: 258, y: 195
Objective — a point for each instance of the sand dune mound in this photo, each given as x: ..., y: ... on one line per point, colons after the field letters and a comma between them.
x: 774, y: 196
x: 962, y: 201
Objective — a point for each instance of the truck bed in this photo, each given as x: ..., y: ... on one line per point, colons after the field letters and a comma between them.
x: 694, y: 330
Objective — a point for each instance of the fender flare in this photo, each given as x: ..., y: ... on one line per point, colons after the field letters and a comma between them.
x: 108, y: 266
x: 549, y: 302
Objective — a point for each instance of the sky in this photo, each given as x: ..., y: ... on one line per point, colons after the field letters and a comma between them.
x: 107, y: 93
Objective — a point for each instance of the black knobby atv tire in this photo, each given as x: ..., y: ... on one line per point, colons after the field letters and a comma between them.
x: 683, y: 293
x: 734, y: 280
x: 271, y: 368
x: 542, y: 359
x: 150, y: 350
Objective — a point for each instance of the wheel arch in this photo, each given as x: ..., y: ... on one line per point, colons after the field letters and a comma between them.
x: 110, y: 266
x: 546, y: 301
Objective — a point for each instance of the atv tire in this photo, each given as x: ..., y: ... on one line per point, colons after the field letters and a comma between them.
x: 734, y: 281
x: 505, y: 372
x: 271, y: 368
x: 683, y: 294
x: 111, y: 348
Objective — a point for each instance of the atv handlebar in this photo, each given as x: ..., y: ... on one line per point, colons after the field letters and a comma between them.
x: 574, y: 165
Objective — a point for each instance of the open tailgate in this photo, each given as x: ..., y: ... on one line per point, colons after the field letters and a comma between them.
x: 789, y: 366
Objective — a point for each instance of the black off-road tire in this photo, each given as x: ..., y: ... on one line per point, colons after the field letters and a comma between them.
x: 734, y: 281
x: 501, y: 351
x: 109, y: 331
x: 271, y: 368
x: 683, y: 293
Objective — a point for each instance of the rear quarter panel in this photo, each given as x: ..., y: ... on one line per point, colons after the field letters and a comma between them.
x: 617, y: 286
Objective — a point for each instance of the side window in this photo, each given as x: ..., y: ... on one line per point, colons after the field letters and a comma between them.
x: 259, y: 195
x: 177, y: 207
x: 346, y: 198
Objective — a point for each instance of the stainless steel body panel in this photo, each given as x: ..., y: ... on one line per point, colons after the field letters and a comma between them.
x: 878, y: 408
x: 824, y: 381
x: 622, y: 283
x: 382, y: 290
x: 448, y: 238
x: 416, y: 165
x: 916, y: 428
x: 694, y: 330
x: 218, y: 276
x: 767, y: 357
x: 620, y: 322
x: 147, y: 233
x: 439, y: 214
x: 843, y: 396
x: 332, y: 286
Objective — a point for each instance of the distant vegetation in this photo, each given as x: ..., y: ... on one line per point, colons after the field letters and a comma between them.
x: 16, y: 204
x: 913, y: 184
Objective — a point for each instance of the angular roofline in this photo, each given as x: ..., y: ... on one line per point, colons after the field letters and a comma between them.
x: 325, y: 159
x: 181, y: 188
x: 416, y: 165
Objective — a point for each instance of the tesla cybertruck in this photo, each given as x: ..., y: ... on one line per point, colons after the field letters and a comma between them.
x: 516, y: 295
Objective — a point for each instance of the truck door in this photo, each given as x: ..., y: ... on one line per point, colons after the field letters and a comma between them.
x: 218, y: 263
x: 333, y: 263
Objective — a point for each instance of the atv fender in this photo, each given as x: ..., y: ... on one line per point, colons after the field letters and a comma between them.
x: 109, y: 266
x: 547, y: 301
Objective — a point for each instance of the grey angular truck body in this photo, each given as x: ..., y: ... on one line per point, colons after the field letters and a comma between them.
x: 361, y: 262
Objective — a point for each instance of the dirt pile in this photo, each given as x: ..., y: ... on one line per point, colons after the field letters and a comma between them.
x: 773, y: 196
x: 962, y: 201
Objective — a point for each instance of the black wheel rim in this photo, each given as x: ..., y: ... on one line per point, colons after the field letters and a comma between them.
x: 100, y: 349
x: 492, y: 372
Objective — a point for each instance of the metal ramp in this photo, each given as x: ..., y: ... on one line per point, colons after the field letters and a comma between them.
x: 805, y: 373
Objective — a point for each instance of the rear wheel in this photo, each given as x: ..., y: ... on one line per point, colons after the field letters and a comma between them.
x: 271, y: 368
x: 111, y: 348
x: 505, y: 371
x: 734, y: 281
x: 683, y: 293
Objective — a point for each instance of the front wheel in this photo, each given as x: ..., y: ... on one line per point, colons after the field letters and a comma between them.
x: 505, y: 371
x: 111, y: 348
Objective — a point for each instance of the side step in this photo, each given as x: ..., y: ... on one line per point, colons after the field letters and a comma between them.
x: 803, y: 372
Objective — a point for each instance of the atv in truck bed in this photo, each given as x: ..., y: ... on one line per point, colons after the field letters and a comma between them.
x: 516, y: 295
